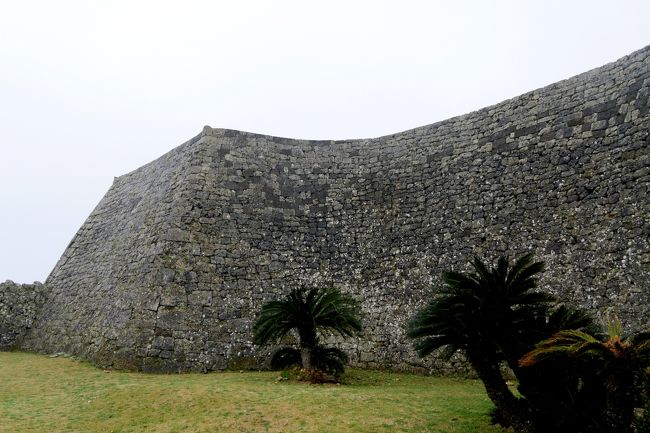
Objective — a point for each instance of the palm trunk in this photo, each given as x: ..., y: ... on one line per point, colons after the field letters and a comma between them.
x: 508, y: 406
x: 305, y: 355
x: 308, y: 339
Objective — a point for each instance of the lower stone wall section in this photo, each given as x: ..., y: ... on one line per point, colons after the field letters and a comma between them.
x: 19, y: 306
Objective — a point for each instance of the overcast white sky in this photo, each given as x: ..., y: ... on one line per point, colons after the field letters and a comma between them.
x: 94, y: 89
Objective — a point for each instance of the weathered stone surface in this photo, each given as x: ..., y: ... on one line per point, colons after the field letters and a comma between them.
x: 19, y: 306
x: 169, y: 269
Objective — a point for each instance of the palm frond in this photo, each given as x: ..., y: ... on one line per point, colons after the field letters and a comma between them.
x: 448, y: 351
x: 640, y: 338
x: 540, y: 354
x: 482, y: 271
x: 457, y: 282
x: 428, y: 345
x: 614, y: 327
x: 501, y: 271
x: 563, y: 317
x: 537, y: 299
x: 524, y: 269
x: 336, y: 313
x: 286, y: 357
x: 570, y: 342
x: 329, y: 359
x: 274, y: 321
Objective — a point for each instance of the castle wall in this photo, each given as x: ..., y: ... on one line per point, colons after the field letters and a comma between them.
x: 19, y: 307
x: 171, y: 267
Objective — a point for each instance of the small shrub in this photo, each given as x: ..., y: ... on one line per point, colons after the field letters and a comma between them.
x: 309, y: 313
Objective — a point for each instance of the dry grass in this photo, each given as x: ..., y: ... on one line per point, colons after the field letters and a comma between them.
x: 41, y: 394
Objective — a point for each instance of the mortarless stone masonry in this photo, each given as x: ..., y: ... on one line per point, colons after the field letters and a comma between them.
x: 19, y: 306
x: 169, y: 270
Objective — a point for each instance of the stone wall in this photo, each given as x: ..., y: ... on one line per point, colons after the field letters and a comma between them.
x: 169, y: 269
x: 19, y: 306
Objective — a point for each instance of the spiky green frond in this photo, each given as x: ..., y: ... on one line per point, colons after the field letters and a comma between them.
x: 564, y: 317
x: 428, y: 345
x: 285, y: 357
x: 334, y: 312
x: 501, y: 271
x: 640, y: 339
x: 457, y: 282
x: 641, y: 344
x: 275, y: 320
x: 533, y: 299
x: 489, y: 307
x: 523, y: 270
x: 483, y: 274
x: 329, y: 359
x: 309, y: 311
x: 614, y: 328
x: 577, y: 343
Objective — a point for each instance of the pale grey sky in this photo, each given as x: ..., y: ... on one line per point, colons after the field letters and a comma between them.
x: 94, y: 89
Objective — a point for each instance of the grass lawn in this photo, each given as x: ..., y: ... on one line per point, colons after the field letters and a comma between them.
x: 42, y: 394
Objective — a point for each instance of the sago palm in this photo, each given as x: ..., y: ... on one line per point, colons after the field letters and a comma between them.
x: 311, y: 313
x: 619, y: 363
x: 561, y: 396
x: 489, y: 314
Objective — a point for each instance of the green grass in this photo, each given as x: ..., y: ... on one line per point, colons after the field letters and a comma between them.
x: 41, y: 394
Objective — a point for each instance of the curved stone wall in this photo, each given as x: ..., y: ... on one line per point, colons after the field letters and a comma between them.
x: 169, y: 269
